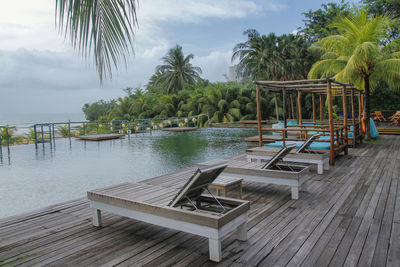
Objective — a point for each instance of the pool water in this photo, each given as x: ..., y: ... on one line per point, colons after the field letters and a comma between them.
x: 33, y: 178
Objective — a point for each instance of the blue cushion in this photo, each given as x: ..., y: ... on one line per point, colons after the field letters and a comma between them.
x: 320, y: 145
x: 314, y: 145
x: 280, y: 143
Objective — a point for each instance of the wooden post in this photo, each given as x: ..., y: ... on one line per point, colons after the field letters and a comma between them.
x: 289, y: 110
x: 260, y: 142
x: 344, y: 92
x: 330, y: 113
x: 314, y: 115
x: 359, y: 107
x: 276, y: 107
x: 291, y: 105
x: 299, y: 108
x: 284, y: 108
x: 353, y: 119
x: 321, y: 107
x: 360, y: 110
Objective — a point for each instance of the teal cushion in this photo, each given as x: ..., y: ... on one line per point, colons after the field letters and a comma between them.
x: 314, y: 145
x: 320, y: 145
x: 280, y: 143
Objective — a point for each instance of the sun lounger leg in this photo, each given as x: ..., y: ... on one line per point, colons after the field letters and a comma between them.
x: 295, y: 192
x: 242, y: 232
x: 214, y: 246
x: 320, y: 168
x: 96, y: 217
x: 326, y: 164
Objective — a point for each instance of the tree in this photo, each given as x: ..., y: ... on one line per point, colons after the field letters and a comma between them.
x: 97, y: 109
x: 102, y: 28
x: 390, y: 8
x: 356, y: 55
x: 273, y: 57
x: 176, y: 71
x: 316, y: 22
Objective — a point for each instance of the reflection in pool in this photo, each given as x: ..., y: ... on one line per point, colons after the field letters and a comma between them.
x: 33, y: 178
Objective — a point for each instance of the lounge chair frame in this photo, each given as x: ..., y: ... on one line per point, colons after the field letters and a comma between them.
x: 207, y: 223
x: 301, y: 155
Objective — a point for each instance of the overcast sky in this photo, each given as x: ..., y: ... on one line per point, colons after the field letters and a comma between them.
x: 40, y: 73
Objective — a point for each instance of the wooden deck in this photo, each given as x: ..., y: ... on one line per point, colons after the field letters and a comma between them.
x: 180, y: 129
x: 349, y: 216
x: 99, y: 137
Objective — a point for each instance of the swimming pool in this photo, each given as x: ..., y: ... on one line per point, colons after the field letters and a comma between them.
x: 32, y: 178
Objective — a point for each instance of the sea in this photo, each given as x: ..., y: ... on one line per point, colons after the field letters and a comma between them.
x: 23, y: 122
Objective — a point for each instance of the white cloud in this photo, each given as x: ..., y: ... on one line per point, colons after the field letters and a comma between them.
x: 194, y: 11
x: 214, y: 65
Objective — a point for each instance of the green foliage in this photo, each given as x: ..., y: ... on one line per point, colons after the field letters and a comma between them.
x: 384, y: 98
x: 357, y: 54
x: 389, y: 8
x: 104, y: 29
x: 273, y: 57
x: 63, y: 130
x: 221, y: 102
x: 316, y: 22
x: 96, y: 110
x: 176, y: 72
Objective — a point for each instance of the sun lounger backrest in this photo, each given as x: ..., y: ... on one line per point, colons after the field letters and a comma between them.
x: 196, y: 185
x: 278, y: 156
x: 307, y: 143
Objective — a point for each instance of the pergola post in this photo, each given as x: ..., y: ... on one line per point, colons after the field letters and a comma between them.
x: 284, y: 109
x: 321, y: 108
x: 299, y: 108
x: 276, y: 107
x: 314, y: 113
x: 260, y: 142
x: 353, y: 119
x: 359, y: 111
x: 344, y: 94
x: 291, y: 105
x: 330, y: 109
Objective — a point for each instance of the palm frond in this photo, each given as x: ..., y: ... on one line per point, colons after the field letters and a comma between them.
x: 102, y: 28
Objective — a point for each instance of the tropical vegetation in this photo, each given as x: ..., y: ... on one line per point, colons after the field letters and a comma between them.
x: 357, y: 54
x: 339, y: 39
x: 99, y: 28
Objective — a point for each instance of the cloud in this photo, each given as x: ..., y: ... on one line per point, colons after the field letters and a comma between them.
x: 214, y: 65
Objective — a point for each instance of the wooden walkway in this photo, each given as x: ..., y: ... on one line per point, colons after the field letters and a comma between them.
x: 99, y: 137
x: 349, y: 216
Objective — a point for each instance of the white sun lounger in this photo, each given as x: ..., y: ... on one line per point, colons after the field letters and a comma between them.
x: 301, y: 155
x: 272, y: 172
x: 189, y: 211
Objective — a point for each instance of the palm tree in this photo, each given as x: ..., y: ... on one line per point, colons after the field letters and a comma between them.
x: 273, y: 57
x: 177, y: 70
x: 358, y: 56
x: 258, y: 56
x: 102, y: 28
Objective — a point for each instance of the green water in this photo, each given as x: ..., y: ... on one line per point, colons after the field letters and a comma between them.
x: 32, y: 178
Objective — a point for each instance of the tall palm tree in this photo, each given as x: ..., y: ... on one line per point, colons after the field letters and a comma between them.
x: 358, y: 56
x: 273, y: 57
x: 177, y: 70
x: 258, y: 56
x: 102, y: 28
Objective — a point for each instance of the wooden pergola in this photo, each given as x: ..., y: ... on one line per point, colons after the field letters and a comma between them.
x: 318, y: 87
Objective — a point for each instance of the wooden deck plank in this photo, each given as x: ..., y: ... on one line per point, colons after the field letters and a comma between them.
x: 349, y: 216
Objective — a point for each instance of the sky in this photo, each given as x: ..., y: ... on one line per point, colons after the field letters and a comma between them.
x: 41, y: 73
